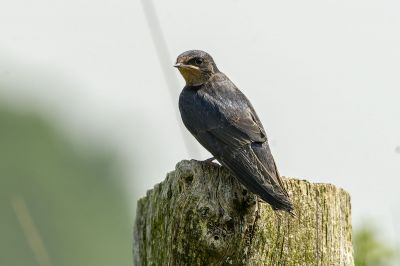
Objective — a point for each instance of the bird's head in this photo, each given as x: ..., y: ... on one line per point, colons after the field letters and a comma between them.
x: 196, y: 67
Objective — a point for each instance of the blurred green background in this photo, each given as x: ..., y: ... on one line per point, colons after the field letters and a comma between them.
x: 60, y: 204
x: 370, y: 249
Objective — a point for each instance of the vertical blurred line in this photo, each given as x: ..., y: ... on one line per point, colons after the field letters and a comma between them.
x: 166, y: 63
x: 30, y: 231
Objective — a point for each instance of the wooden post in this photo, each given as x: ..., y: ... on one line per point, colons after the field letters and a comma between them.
x: 200, y: 215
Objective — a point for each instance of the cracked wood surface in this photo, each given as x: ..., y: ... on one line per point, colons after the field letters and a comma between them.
x: 201, y: 215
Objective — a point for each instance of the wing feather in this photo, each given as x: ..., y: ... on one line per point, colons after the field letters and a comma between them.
x: 233, y: 133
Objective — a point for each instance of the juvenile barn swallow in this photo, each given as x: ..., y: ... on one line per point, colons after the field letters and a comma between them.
x: 223, y: 120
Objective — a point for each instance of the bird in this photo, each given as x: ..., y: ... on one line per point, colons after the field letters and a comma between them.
x: 223, y: 121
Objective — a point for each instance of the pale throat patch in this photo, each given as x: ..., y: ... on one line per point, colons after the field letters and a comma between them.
x: 192, y: 76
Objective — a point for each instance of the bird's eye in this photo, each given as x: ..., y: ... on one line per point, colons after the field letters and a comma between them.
x: 198, y: 61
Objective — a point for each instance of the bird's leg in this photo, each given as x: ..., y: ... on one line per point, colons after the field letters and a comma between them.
x: 209, y: 160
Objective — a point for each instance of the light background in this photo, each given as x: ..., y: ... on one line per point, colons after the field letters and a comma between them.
x: 322, y: 75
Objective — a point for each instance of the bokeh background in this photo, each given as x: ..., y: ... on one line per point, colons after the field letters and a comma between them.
x: 88, y: 112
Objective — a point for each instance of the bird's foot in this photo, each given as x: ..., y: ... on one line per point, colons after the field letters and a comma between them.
x: 209, y: 160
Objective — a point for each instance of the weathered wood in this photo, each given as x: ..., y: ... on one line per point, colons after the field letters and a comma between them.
x: 200, y: 215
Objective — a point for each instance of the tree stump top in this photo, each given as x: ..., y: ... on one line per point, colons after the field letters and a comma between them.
x: 201, y: 215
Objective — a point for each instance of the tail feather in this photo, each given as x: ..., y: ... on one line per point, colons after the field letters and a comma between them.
x: 249, y: 171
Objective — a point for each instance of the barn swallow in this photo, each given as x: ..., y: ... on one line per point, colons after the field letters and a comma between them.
x: 223, y: 120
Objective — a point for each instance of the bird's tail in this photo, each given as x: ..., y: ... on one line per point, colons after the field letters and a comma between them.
x: 246, y: 169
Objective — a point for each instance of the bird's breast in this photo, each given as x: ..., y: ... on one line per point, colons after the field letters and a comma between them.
x: 198, y: 111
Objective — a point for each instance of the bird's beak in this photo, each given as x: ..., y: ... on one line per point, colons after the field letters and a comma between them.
x: 181, y: 65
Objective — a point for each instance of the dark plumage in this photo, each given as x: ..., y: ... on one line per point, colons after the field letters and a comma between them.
x: 223, y: 120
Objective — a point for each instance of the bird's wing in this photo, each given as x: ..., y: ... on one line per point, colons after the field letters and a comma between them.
x: 252, y: 163
x: 251, y: 173
x: 245, y: 122
x: 241, y: 140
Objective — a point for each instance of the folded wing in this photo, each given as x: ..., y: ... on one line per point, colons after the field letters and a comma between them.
x: 251, y: 162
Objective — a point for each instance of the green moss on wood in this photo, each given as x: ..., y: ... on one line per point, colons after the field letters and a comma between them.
x: 200, y: 215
